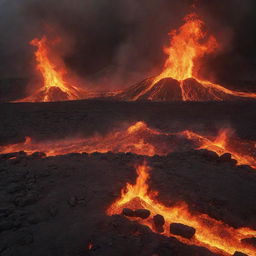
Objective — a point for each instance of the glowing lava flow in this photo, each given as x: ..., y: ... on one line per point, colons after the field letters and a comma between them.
x: 138, y: 139
x: 142, y: 140
x: 55, y: 88
x: 210, y: 233
x: 242, y: 152
x: 188, y: 45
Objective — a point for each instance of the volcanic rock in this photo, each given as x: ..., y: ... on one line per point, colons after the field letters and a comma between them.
x: 250, y: 241
x: 72, y: 201
x: 239, y: 254
x: 38, y: 155
x: 5, y: 225
x: 128, y: 212
x: 225, y: 157
x: 167, y: 89
x: 159, y: 222
x: 29, y: 199
x: 142, y: 213
x: 182, y: 230
x: 196, y: 91
x: 207, y: 154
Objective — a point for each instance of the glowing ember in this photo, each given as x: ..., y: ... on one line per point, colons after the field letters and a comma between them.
x: 55, y: 88
x: 142, y: 140
x: 188, y: 45
x: 210, y: 233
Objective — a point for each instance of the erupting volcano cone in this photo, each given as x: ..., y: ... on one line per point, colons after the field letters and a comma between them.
x: 54, y: 88
x: 179, y: 79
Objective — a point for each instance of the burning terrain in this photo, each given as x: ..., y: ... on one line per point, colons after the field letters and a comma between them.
x: 138, y: 202
x: 106, y: 177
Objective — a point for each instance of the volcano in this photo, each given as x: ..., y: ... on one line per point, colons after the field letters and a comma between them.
x: 180, y: 79
x: 53, y: 71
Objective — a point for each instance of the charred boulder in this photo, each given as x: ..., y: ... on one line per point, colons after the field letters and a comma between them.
x: 239, y: 254
x: 182, y: 230
x: 142, y: 213
x: 159, y: 223
x: 128, y: 212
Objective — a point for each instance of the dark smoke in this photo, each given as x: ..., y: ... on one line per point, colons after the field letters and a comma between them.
x: 114, y: 43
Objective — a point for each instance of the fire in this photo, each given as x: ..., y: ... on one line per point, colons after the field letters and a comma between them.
x: 143, y: 140
x: 137, y: 138
x: 55, y: 87
x: 188, y: 45
x: 210, y: 233
x: 222, y: 144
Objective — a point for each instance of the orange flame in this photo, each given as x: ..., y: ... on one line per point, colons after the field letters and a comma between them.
x: 188, y: 45
x: 210, y: 233
x: 55, y: 87
x: 136, y: 139
x: 223, y: 144
x: 142, y: 140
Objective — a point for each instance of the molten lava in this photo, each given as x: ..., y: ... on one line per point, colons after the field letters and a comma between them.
x: 138, y: 139
x: 142, y: 140
x: 55, y: 87
x: 210, y: 233
x: 188, y: 45
x: 242, y: 151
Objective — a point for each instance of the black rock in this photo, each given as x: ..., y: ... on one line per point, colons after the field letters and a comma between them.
x: 128, y: 212
x: 72, y: 201
x: 37, y: 155
x: 225, y: 158
x: 5, y: 225
x: 182, y: 230
x: 142, y: 213
x: 250, y: 241
x: 239, y: 254
x: 28, y: 200
x: 159, y: 223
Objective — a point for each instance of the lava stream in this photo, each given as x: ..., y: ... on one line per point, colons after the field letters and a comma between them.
x: 142, y: 140
x: 210, y: 233
x: 243, y: 152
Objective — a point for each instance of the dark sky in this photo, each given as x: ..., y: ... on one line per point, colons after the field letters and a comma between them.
x: 119, y: 42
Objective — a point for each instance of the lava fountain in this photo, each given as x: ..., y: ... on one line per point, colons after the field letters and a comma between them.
x: 53, y: 71
x: 210, y: 233
x: 188, y: 45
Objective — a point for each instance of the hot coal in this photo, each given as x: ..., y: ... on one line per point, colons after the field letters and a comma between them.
x: 182, y: 230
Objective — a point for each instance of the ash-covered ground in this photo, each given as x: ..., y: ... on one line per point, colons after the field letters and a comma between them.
x: 57, y: 205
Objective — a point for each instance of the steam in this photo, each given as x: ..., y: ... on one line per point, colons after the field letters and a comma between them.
x: 115, y: 43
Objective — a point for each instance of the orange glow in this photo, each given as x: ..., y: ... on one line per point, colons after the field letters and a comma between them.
x: 222, y: 144
x: 55, y: 87
x: 188, y: 45
x: 138, y: 139
x: 210, y: 233
x: 142, y: 140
